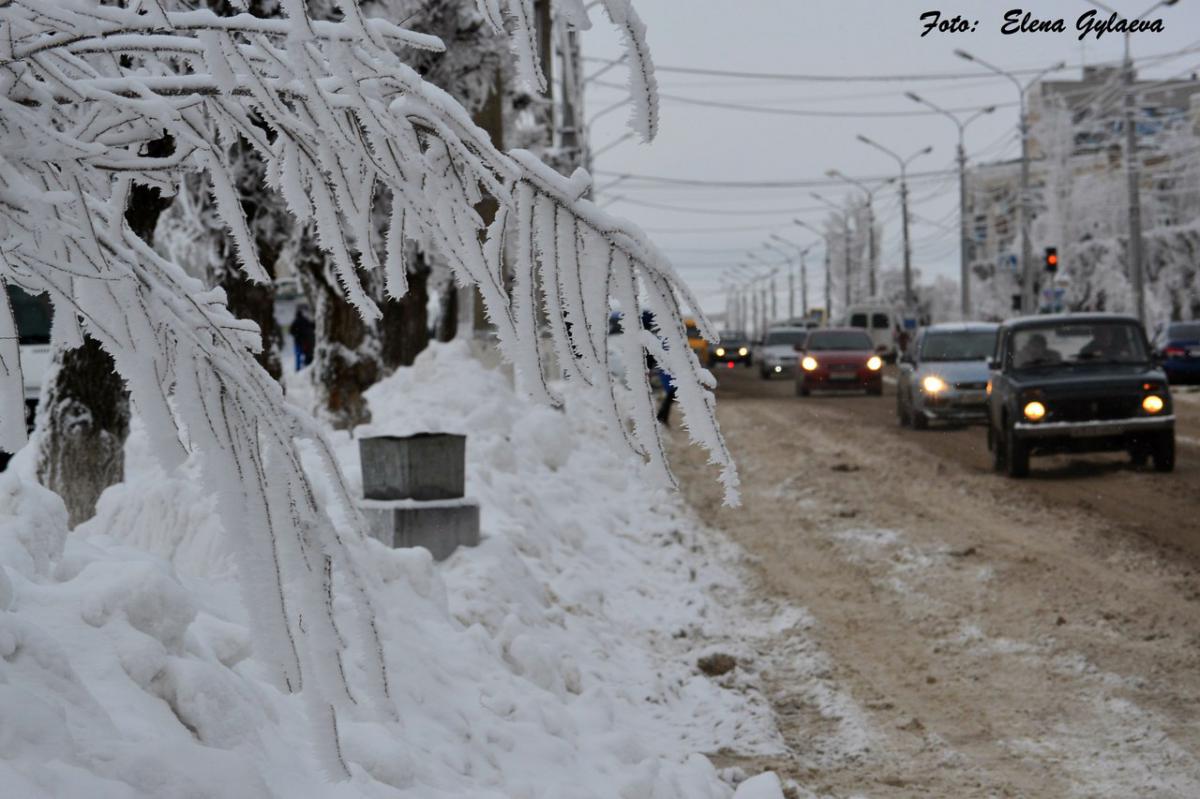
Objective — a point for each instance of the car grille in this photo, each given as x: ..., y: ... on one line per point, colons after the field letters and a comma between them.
x: 843, y: 367
x: 972, y: 386
x: 1087, y: 410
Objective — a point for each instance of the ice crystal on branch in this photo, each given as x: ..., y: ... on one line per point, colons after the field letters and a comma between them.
x: 338, y: 119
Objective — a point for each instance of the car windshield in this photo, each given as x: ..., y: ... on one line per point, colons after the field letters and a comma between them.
x: 975, y: 345
x: 840, y: 340
x: 732, y: 337
x: 789, y: 337
x: 1189, y: 332
x: 1077, y: 343
x: 32, y: 315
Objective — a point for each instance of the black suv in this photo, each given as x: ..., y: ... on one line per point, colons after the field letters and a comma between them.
x: 1077, y: 383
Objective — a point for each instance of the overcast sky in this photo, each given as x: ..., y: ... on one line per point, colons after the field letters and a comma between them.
x: 828, y: 37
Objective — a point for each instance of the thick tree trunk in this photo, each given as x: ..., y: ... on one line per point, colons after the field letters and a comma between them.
x: 404, y: 328
x: 447, y: 327
x: 347, y: 358
x: 269, y: 222
x: 86, y: 418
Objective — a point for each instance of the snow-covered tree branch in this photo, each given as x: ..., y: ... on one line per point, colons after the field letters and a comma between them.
x: 340, y: 120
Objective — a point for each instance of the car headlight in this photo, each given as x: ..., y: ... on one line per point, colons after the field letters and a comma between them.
x: 742, y: 351
x: 809, y: 363
x: 1034, y: 411
x: 720, y: 352
x: 778, y: 368
x: 874, y: 363
x: 933, y: 384
x: 1152, y: 403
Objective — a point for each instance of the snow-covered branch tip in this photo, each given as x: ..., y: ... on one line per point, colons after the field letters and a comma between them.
x: 643, y: 86
x: 340, y: 121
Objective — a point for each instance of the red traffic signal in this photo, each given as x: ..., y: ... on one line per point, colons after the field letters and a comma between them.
x: 1051, y: 259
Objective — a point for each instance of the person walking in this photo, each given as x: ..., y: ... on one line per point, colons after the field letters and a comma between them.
x: 304, y: 337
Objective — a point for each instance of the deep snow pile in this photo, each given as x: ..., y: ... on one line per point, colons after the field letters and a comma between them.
x: 551, y: 661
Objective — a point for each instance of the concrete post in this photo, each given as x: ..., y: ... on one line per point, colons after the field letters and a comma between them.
x: 414, y: 492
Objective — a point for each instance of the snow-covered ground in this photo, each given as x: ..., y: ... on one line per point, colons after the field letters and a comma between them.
x: 557, y: 659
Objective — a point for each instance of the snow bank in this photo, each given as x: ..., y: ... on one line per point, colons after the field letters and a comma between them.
x: 547, y: 662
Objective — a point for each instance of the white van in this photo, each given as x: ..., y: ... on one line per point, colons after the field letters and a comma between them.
x: 32, y: 315
x: 880, y: 322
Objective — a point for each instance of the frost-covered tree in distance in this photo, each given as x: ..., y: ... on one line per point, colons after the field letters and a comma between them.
x: 337, y: 117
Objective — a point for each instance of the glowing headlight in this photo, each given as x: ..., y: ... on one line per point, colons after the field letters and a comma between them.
x: 1034, y: 411
x: 874, y: 363
x: 742, y: 351
x: 933, y: 384
x: 809, y: 363
x: 778, y: 368
x: 988, y: 389
x: 720, y: 352
x: 1152, y: 403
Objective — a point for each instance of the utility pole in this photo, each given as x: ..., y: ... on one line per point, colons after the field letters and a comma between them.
x: 964, y: 243
x: 872, y: 255
x: 803, y: 253
x: 804, y: 275
x: 909, y: 299
x: 845, y: 214
x: 1028, y: 275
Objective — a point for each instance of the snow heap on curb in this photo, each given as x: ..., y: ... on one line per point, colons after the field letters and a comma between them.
x: 540, y: 664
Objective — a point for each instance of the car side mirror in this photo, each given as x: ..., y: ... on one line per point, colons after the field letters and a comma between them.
x: 993, y: 365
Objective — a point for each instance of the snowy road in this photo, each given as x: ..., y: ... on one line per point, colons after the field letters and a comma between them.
x: 987, y: 637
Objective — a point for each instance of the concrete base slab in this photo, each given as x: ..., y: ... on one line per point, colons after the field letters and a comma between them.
x: 441, y: 526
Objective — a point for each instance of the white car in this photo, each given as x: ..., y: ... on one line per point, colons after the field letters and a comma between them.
x: 776, y: 354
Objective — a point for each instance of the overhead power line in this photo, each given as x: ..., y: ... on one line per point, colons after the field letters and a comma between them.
x: 766, y: 184
x: 888, y: 78
x: 801, y: 112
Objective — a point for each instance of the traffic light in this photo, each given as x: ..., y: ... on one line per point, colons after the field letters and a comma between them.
x: 1051, y: 259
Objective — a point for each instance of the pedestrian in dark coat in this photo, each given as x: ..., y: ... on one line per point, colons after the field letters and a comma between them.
x: 304, y: 337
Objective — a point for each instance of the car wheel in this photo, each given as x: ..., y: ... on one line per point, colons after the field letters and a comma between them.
x: 875, y: 391
x: 801, y: 389
x: 919, y: 420
x: 1163, y: 452
x: 1016, y: 454
x: 996, y: 445
x: 901, y: 412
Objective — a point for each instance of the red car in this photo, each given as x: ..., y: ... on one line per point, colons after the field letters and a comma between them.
x: 839, y: 359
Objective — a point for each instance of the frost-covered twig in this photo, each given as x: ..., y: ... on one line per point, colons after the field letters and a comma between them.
x: 338, y: 118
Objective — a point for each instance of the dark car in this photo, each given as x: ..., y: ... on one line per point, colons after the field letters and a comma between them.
x: 839, y: 359
x: 732, y: 348
x: 1077, y: 383
x: 1178, y: 346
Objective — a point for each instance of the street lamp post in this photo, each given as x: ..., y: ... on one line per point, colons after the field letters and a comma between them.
x: 845, y: 241
x: 1027, y: 272
x: 803, y: 253
x: 1132, y: 176
x: 903, y: 162
x: 828, y: 297
x: 964, y: 244
x: 872, y: 257
x: 787, y: 258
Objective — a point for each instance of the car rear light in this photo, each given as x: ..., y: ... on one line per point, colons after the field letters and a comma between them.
x: 730, y: 364
x: 1175, y: 352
